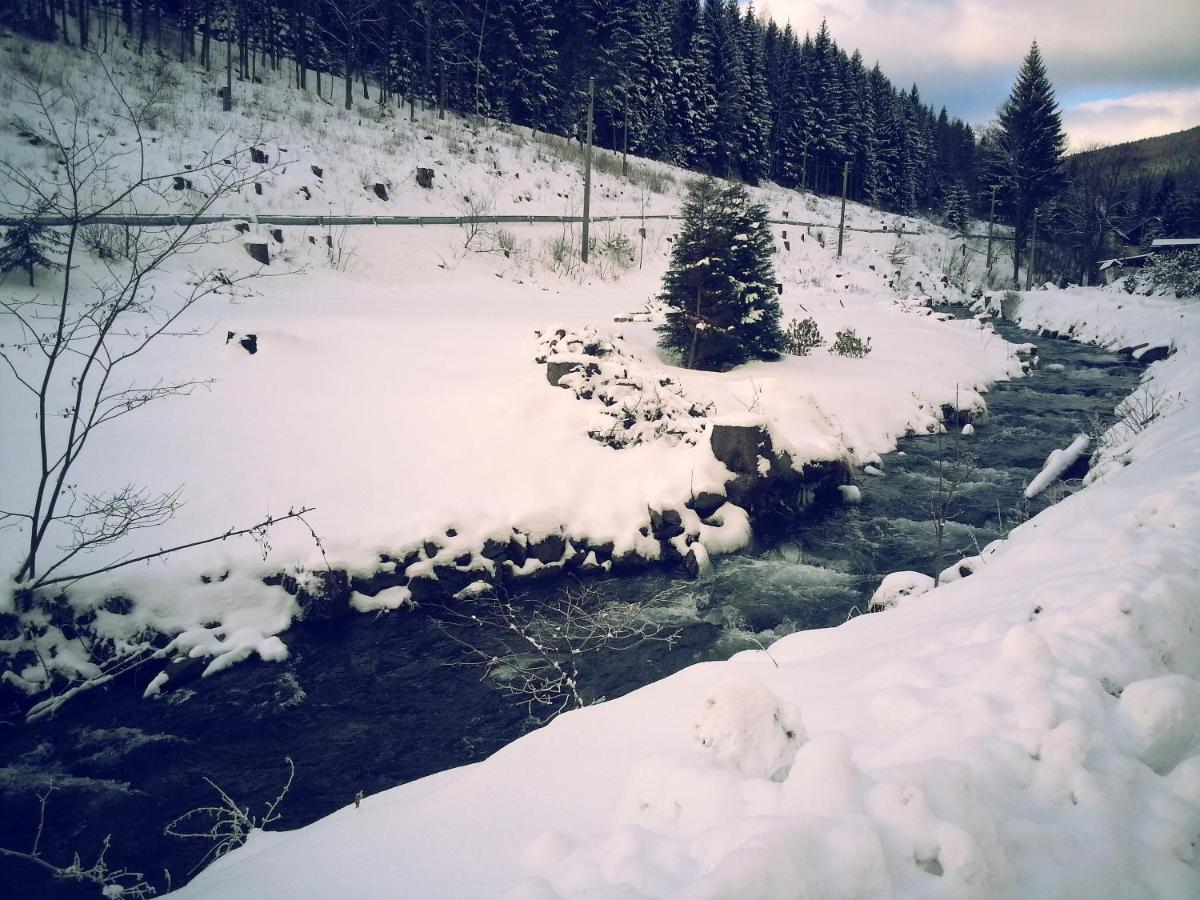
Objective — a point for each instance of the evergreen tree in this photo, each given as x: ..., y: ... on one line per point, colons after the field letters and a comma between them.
x: 1029, y: 148
x: 721, y: 282
x: 27, y: 246
x: 958, y: 208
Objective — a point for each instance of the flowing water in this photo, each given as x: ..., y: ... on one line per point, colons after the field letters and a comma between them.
x: 367, y: 703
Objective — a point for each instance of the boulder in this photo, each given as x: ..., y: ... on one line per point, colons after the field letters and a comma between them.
x: 494, y: 549
x: 549, y: 549
x: 706, y: 503
x: 425, y: 177
x: 666, y: 524
x: 697, y: 563
x: 259, y: 252
x: 258, y: 157
x: 322, y: 596
x: 557, y: 369
x: 740, y: 446
x: 380, y: 191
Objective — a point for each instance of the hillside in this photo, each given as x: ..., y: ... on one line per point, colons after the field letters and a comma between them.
x: 1178, y: 153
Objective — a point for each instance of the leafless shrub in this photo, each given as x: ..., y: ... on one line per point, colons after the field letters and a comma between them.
x: 532, y: 651
x: 226, y: 825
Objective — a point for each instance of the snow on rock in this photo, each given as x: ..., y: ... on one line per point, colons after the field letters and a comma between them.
x: 851, y: 493
x: 748, y: 728
x: 1162, y: 718
x: 899, y: 586
x: 1056, y: 464
x: 968, y: 430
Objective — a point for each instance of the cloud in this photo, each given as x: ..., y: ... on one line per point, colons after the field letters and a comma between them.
x: 1119, y: 119
x: 965, y: 53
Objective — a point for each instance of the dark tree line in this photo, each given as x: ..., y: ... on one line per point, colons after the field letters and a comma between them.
x: 700, y: 84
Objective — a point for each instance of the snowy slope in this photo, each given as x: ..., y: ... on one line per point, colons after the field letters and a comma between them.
x: 1032, y: 730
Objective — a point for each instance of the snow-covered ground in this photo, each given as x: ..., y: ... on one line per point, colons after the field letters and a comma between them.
x: 1032, y: 730
x: 397, y: 391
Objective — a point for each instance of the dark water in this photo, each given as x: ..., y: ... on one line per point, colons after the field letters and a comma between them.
x: 368, y: 703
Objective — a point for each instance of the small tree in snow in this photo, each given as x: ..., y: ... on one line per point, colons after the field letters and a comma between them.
x: 721, y: 282
x: 27, y: 246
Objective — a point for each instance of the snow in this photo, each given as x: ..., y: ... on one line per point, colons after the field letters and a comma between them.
x: 1056, y: 464
x: 965, y: 743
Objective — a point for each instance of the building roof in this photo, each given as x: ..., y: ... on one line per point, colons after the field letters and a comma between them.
x: 1175, y: 242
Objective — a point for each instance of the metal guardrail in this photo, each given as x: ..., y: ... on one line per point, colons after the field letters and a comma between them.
x: 159, y: 220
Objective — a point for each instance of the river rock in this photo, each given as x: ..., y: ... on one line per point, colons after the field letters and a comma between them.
x: 549, y: 549
x: 740, y: 446
x: 379, y: 581
x: 183, y: 670
x: 666, y: 524
x: 706, y: 503
x: 322, y: 596
x: 1152, y: 355
x: 697, y: 562
x: 494, y: 550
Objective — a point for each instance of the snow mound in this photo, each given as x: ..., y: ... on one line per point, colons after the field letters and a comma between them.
x: 899, y: 586
x: 747, y: 728
x: 1161, y: 716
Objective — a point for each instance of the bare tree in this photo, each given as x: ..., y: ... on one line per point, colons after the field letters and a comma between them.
x: 73, y: 346
x: 351, y: 29
x: 532, y: 651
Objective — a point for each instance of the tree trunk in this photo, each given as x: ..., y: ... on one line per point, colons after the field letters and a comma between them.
x: 691, y: 362
x: 349, y: 82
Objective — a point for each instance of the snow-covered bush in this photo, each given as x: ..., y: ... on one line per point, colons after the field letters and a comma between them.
x: 848, y: 343
x: 1174, y: 273
x: 802, y: 337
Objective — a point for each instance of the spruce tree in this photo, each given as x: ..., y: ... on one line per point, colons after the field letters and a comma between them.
x: 26, y: 245
x: 1030, y: 148
x: 720, y: 286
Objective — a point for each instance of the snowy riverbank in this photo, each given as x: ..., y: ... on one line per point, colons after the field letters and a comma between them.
x: 1032, y: 728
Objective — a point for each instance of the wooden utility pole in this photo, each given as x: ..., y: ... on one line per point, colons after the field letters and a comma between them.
x: 625, y: 147
x: 991, y: 224
x: 587, y: 170
x: 227, y: 100
x: 1032, y: 253
x: 842, y: 222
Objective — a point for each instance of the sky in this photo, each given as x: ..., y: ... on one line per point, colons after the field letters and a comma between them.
x: 1121, y: 70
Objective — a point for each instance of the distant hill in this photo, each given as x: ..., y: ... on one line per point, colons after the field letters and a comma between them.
x: 1178, y: 152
